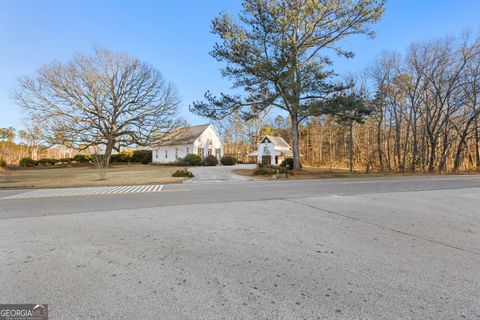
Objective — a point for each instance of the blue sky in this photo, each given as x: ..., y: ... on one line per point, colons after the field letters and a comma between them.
x: 174, y: 36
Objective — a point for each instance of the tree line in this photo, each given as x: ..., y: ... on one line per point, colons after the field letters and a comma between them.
x: 15, y: 145
x: 426, y: 104
x: 416, y: 111
x: 424, y: 114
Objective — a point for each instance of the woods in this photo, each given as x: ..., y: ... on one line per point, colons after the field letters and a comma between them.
x: 422, y: 115
x: 426, y: 107
x: 417, y: 111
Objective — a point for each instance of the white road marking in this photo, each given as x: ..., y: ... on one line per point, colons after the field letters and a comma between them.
x: 69, y: 192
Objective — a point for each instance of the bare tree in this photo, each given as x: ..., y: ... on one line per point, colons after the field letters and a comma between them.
x: 426, y: 113
x: 7, y: 134
x: 100, y: 164
x: 468, y: 95
x: 33, y: 135
x: 108, y: 100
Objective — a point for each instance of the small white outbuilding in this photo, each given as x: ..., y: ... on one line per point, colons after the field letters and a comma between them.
x: 201, y: 140
x: 272, y: 150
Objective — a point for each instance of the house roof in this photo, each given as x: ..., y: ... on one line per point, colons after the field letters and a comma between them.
x: 180, y: 136
x: 279, y: 145
x: 277, y: 141
x: 284, y: 152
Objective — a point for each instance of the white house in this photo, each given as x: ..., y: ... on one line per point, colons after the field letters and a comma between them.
x: 201, y: 140
x: 272, y: 150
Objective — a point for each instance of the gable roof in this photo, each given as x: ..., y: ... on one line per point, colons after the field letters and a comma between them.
x: 186, y: 135
x: 277, y: 141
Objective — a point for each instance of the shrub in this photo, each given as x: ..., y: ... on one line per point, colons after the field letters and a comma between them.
x: 193, y: 160
x: 65, y: 160
x: 183, y: 173
x: 140, y: 156
x: 3, y: 163
x: 268, y: 170
x: 82, y: 158
x: 265, y: 171
x: 127, y: 155
x: 143, y: 156
x: 47, y: 162
x: 288, y: 161
x: 118, y: 157
x: 228, y: 160
x: 211, y: 161
x: 180, y: 162
x: 27, y: 162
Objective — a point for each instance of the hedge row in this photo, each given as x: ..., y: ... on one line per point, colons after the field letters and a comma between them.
x: 228, y: 160
x: 196, y: 160
x: 140, y: 156
x: 29, y: 162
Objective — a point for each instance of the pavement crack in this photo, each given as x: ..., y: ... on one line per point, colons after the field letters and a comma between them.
x: 385, y: 227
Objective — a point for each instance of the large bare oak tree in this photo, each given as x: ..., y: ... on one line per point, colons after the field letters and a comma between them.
x: 107, y: 100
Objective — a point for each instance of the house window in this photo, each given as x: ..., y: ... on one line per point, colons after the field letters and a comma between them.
x: 265, y: 150
x: 209, y: 152
x: 200, y: 152
x: 188, y: 150
x: 156, y: 154
x: 166, y: 153
x: 176, y: 153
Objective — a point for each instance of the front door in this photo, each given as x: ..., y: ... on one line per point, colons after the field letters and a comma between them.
x: 266, y: 159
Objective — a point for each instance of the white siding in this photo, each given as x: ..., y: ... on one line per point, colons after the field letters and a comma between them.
x: 209, y: 140
x: 168, y: 154
x: 267, y: 149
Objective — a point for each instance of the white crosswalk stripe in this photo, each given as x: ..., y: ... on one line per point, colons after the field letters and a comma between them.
x: 69, y: 192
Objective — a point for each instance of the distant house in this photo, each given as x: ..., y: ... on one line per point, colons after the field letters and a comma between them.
x: 201, y: 140
x: 272, y: 150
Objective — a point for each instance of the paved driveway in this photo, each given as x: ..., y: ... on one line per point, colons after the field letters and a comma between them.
x: 218, y: 173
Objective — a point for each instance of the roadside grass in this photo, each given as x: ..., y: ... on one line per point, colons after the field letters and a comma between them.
x: 326, y: 173
x: 88, y: 176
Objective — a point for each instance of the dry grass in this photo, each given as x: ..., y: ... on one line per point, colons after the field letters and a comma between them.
x: 323, y: 173
x: 135, y: 174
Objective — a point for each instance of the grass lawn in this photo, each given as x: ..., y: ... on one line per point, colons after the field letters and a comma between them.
x: 88, y: 176
x: 323, y: 173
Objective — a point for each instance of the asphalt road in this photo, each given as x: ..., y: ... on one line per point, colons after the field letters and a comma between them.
x: 383, y: 248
